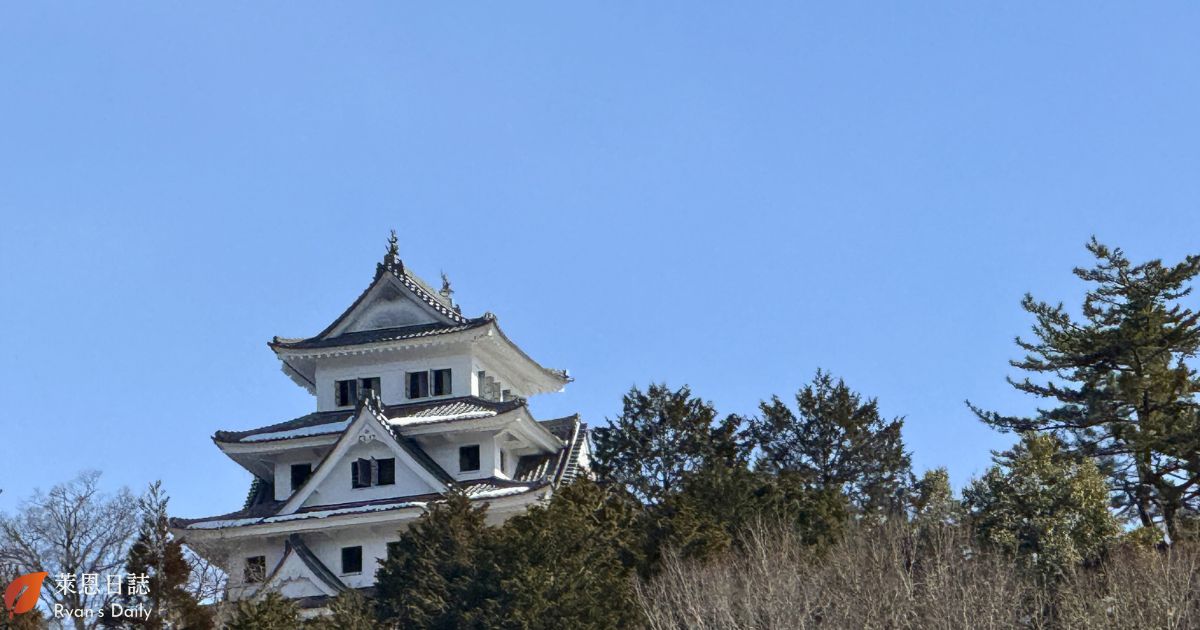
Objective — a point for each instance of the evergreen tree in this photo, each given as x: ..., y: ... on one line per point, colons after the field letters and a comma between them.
x: 568, y: 563
x: 271, y: 611
x: 430, y: 578
x: 348, y: 611
x: 718, y: 505
x: 1043, y: 505
x: 836, y: 442
x: 1120, y: 383
x: 661, y: 436
x: 159, y: 556
x: 933, y: 500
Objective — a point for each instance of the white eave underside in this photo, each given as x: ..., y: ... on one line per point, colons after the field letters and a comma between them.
x: 299, y: 363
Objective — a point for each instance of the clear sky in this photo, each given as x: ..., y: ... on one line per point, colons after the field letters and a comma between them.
x: 725, y: 196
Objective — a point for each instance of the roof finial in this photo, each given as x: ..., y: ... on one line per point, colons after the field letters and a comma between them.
x: 393, y: 244
x: 446, y: 291
x: 391, y: 261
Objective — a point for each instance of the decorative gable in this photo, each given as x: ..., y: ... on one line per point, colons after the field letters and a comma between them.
x: 388, y: 305
x: 369, y: 439
x: 300, y: 574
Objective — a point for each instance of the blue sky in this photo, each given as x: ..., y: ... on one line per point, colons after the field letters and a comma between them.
x: 720, y: 195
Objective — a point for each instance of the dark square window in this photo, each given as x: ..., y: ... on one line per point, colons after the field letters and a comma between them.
x: 300, y: 474
x: 351, y: 560
x: 468, y: 458
x: 368, y: 384
x: 393, y: 549
x: 418, y: 384
x: 347, y: 393
x: 360, y: 474
x: 385, y: 472
x: 255, y: 570
x: 441, y: 383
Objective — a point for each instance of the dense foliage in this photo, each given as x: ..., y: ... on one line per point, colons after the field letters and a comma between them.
x: 1119, y: 382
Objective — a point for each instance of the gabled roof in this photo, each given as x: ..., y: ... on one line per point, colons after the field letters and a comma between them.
x: 393, y: 271
x: 369, y: 418
x: 533, y: 472
x: 334, y: 422
x: 296, y: 552
x: 412, y: 315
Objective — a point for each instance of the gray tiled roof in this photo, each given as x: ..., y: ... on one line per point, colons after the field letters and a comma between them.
x: 391, y: 266
x: 329, y: 422
x: 473, y: 488
x: 296, y: 545
x: 560, y: 467
x: 380, y: 335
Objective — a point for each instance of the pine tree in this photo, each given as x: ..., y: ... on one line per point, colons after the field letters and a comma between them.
x: 933, y: 500
x: 836, y: 442
x: 430, y: 578
x: 1045, y: 506
x: 270, y: 611
x: 660, y: 437
x: 718, y: 505
x: 568, y: 563
x: 1120, y: 382
x: 159, y: 556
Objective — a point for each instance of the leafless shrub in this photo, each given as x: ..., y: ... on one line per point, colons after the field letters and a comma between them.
x: 890, y: 576
x: 1136, y: 588
x: 898, y: 575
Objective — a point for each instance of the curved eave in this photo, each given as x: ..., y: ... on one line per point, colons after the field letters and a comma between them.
x: 307, y: 521
x: 541, y: 379
x: 286, y: 350
x: 299, y: 362
x: 538, y: 435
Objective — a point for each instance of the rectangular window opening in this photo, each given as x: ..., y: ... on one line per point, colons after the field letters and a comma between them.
x: 360, y: 474
x: 368, y: 384
x: 385, y: 471
x: 351, y: 560
x: 442, y: 385
x: 255, y: 570
x: 468, y: 458
x: 300, y: 474
x: 418, y: 384
x: 347, y: 393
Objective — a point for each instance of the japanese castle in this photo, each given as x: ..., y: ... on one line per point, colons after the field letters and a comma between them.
x: 413, y: 400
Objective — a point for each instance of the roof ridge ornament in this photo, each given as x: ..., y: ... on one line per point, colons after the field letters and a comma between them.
x: 448, y: 292
x: 391, y: 260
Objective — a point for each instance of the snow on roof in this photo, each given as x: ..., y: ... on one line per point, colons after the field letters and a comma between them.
x: 320, y: 429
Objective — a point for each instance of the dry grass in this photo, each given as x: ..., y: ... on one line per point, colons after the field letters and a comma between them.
x: 894, y: 576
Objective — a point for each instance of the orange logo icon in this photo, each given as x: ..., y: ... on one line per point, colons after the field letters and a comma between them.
x: 22, y: 595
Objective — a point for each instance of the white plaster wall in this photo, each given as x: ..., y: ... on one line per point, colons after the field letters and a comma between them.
x: 391, y: 368
x: 328, y: 548
x: 444, y: 451
x: 271, y: 548
x: 283, y: 471
x: 493, y: 370
x: 327, y: 545
x: 392, y: 308
x: 335, y: 488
